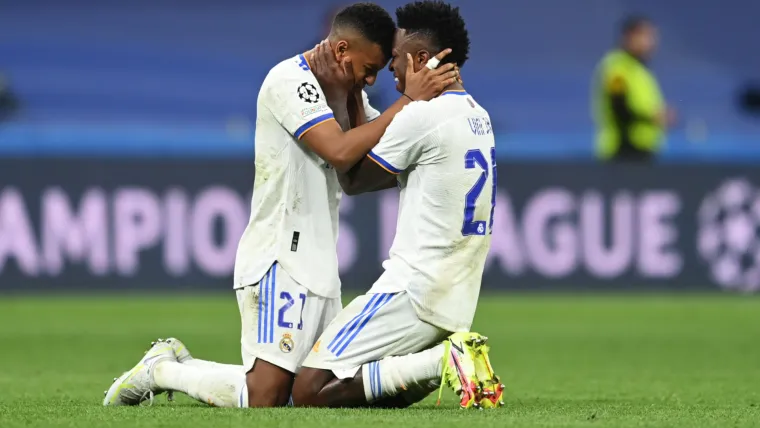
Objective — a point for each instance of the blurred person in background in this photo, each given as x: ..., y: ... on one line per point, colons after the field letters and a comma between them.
x: 750, y: 99
x: 8, y: 101
x: 628, y: 108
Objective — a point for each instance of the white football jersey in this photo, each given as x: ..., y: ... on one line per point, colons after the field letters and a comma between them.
x: 294, y: 211
x: 443, y: 152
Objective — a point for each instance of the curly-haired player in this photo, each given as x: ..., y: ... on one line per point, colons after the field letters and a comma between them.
x: 394, y: 345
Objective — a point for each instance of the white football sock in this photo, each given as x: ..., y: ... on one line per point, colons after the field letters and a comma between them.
x: 216, y: 387
x: 417, y: 393
x: 203, y: 364
x: 392, y: 375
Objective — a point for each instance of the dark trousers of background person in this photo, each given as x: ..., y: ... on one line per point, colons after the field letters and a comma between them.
x: 627, y: 153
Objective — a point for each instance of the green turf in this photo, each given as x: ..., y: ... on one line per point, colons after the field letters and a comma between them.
x: 691, y: 361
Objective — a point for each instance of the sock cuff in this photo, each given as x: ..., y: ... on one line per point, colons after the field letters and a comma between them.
x: 373, y: 388
x: 243, y: 398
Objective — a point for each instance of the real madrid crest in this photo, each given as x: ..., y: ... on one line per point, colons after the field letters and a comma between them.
x: 286, y: 344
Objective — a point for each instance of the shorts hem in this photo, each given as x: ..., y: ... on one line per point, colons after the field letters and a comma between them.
x: 253, y: 280
x: 339, y: 372
x: 290, y: 367
x: 248, y: 281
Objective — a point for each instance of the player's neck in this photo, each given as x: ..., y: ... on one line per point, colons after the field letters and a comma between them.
x: 454, y: 87
x: 307, y: 55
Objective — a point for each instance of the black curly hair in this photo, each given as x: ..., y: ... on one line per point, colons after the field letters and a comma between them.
x: 441, y: 24
x: 371, y: 21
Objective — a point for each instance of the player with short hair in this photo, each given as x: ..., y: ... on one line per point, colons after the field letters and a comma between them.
x: 384, y: 349
x: 286, y: 270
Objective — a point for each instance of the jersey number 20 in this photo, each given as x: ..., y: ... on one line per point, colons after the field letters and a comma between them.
x: 475, y: 159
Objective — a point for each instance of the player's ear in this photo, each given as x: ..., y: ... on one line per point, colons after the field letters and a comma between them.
x: 340, y: 49
x: 421, y: 58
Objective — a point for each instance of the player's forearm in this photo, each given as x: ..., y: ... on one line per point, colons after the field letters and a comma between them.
x: 356, y: 143
x: 357, y: 181
x: 353, y: 188
x: 356, y: 111
x: 340, y: 111
x: 346, y: 183
x: 358, y: 117
x: 358, y: 188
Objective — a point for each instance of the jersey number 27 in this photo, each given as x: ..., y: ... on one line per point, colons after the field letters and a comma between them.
x: 476, y: 159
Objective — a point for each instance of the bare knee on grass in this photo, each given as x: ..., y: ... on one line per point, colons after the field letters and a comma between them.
x: 308, y: 385
x: 320, y: 388
x: 268, y: 385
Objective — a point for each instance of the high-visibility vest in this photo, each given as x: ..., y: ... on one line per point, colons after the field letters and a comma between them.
x: 620, y: 71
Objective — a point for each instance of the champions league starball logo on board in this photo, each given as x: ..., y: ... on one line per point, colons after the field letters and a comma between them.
x: 729, y: 235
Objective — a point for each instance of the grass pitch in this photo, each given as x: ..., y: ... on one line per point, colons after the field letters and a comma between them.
x: 691, y: 361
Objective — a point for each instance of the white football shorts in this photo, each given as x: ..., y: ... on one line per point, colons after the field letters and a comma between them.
x: 281, y: 320
x: 370, y: 328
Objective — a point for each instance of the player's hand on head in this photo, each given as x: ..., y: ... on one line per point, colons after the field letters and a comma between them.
x: 427, y: 83
x: 335, y: 78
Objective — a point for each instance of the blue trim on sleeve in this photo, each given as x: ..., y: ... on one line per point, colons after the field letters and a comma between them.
x: 312, y: 123
x: 303, y: 63
x: 383, y: 163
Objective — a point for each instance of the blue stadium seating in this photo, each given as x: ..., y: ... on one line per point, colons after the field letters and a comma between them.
x: 196, y: 64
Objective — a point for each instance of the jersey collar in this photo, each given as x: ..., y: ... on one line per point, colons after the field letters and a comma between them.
x: 454, y: 92
x: 303, y: 62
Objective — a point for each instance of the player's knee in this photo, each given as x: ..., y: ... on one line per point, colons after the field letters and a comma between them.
x: 305, y: 395
x: 268, y: 385
x: 307, y: 386
x: 260, y: 397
